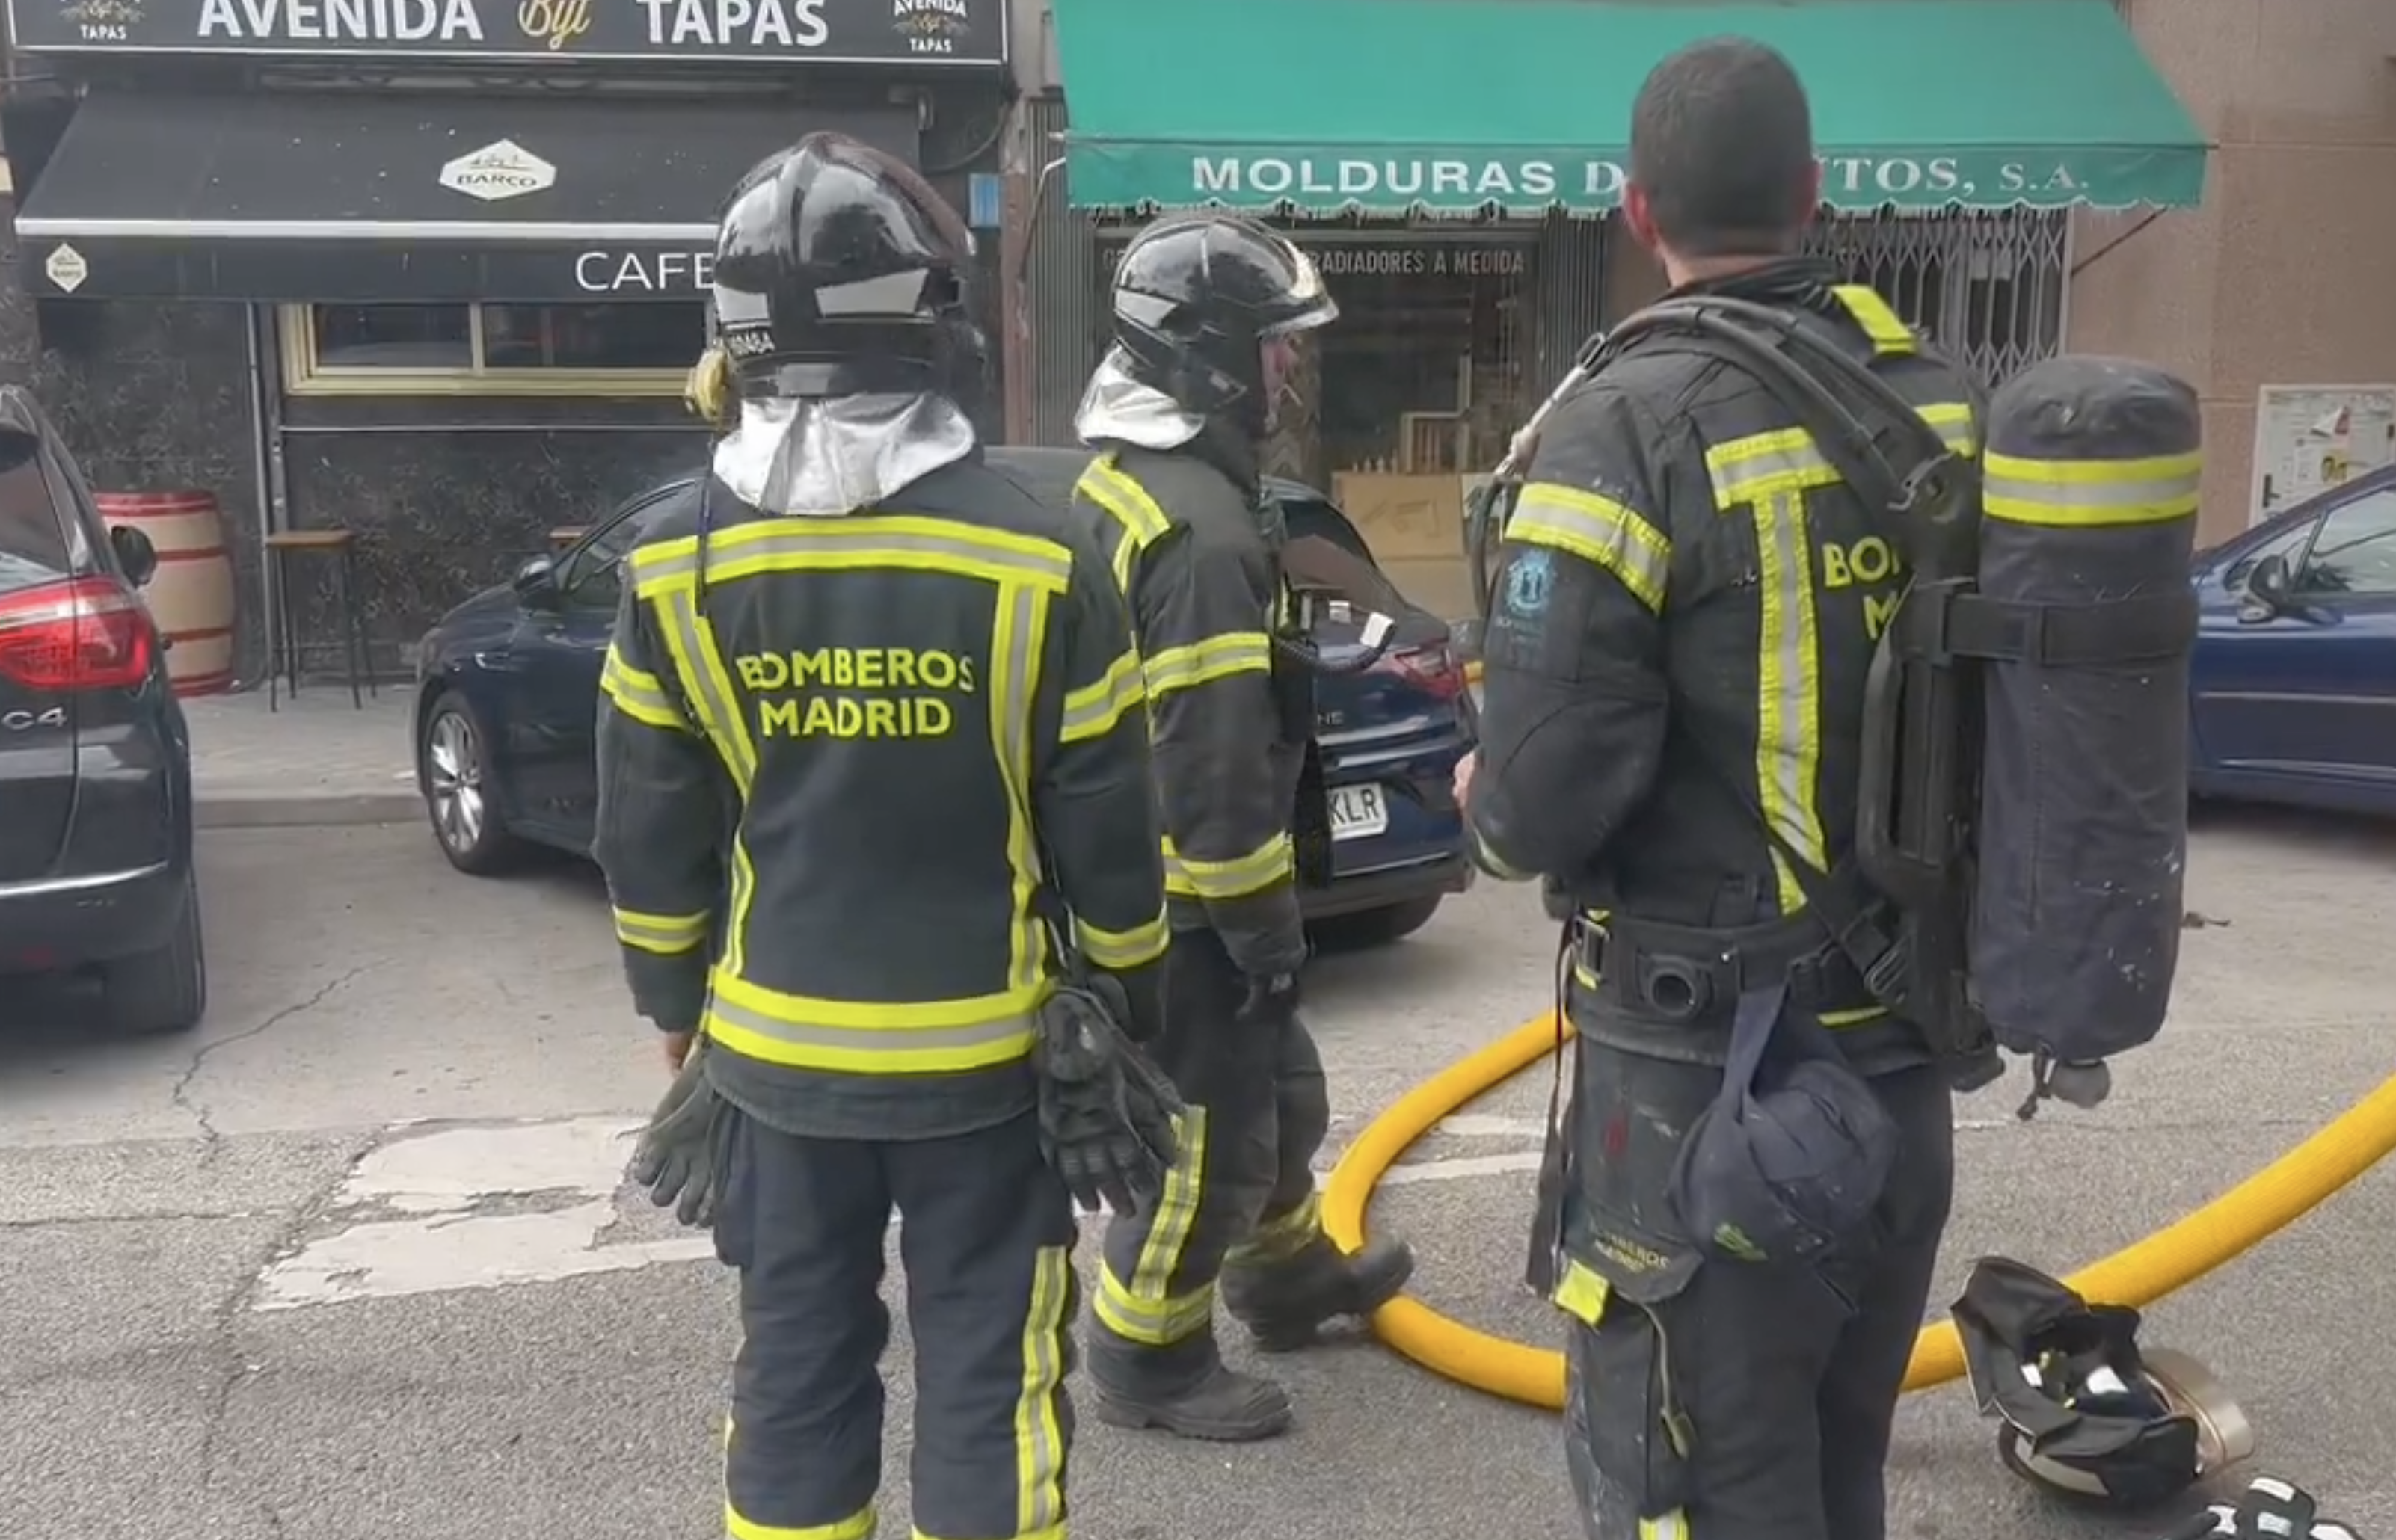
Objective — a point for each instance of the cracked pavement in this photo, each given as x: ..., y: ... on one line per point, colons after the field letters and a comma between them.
x: 350, y: 1263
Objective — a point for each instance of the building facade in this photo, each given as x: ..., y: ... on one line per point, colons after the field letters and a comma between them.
x: 2268, y: 279
x: 428, y: 270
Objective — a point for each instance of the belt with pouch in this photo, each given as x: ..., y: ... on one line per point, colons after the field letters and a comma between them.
x: 1685, y: 973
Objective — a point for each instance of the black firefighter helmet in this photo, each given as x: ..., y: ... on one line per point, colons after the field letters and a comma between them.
x: 2084, y: 1409
x: 1195, y: 299
x: 839, y: 271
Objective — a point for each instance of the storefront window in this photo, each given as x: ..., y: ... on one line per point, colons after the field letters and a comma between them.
x: 1426, y: 371
x: 623, y: 349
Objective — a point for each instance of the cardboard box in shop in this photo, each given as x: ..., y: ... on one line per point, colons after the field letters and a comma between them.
x: 1414, y: 525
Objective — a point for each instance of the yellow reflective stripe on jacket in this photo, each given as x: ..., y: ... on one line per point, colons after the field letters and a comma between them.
x: 1582, y: 1292
x: 1222, y: 880
x: 2091, y: 493
x: 1093, y: 710
x: 1040, y: 1444
x: 707, y: 686
x: 1018, y: 636
x: 1786, y: 460
x: 638, y: 693
x: 1597, y: 530
x: 877, y: 542
x: 666, y: 935
x: 869, y: 1037
x: 1891, y: 337
x: 1136, y: 947
x: 1195, y: 663
x: 1788, y: 691
x: 1128, y: 502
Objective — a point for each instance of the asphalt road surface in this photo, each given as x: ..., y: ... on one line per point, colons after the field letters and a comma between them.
x: 351, y: 1263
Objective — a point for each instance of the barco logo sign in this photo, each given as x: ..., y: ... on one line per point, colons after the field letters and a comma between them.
x: 504, y: 169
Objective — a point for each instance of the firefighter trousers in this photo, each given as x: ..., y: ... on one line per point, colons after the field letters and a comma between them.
x: 985, y: 1236
x: 1756, y: 1403
x: 1243, y: 1191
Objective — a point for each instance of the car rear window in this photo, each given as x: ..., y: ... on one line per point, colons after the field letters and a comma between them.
x: 33, y: 545
x: 1312, y: 517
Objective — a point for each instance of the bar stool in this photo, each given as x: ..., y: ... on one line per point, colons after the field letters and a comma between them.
x: 282, y: 667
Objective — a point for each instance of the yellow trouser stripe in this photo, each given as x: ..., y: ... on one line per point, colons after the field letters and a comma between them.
x: 1789, y: 690
x: 737, y: 1526
x: 2092, y: 494
x: 1599, y: 530
x: 1094, y: 710
x: 1195, y: 663
x: 667, y: 935
x: 1278, y: 1239
x: 1786, y: 460
x: 1136, y: 947
x: 1672, y: 1526
x: 638, y: 693
x: 1141, y: 1309
x: 1891, y: 337
x: 1223, y: 880
x: 1039, y: 1425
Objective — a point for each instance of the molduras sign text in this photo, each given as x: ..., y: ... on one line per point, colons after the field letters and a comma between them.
x: 1374, y: 181
x: 856, y: 32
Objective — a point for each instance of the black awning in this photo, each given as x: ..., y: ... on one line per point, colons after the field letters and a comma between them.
x: 359, y: 198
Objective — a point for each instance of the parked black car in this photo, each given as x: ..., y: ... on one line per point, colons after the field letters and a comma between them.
x: 96, y: 871
x: 511, y: 681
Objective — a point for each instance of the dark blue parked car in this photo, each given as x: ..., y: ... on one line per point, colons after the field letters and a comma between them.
x: 95, y: 873
x: 2294, y: 697
x: 510, y: 680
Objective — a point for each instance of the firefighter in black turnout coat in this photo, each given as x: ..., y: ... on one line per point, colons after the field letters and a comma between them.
x: 1674, y: 699
x: 1205, y: 310
x: 869, y: 708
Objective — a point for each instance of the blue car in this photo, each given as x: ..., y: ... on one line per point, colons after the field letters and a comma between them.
x: 2294, y: 693
x: 96, y: 828
x: 510, y: 687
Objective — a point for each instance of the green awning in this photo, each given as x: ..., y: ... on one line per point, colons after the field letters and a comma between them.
x: 1456, y: 107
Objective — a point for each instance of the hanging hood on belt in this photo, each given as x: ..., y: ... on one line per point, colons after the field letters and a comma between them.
x: 1118, y: 407
x: 822, y: 458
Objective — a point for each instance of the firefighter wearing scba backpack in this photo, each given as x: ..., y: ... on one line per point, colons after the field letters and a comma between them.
x: 1205, y: 310
x: 1823, y: 720
x: 877, y: 820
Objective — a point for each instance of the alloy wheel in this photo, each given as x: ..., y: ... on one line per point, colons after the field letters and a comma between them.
x: 453, y: 782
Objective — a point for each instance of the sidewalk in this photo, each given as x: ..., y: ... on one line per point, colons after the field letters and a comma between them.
x: 316, y: 761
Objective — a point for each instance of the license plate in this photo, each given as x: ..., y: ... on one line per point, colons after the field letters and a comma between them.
x: 1358, y: 811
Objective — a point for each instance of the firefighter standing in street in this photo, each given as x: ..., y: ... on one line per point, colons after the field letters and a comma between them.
x: 907, y: 692
x: 1675, y: 666
x: 1204, y: 312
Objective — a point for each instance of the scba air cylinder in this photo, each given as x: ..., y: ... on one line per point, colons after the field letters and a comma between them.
x: 2090, y: 502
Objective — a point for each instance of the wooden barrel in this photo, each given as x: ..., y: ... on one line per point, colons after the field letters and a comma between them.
x: 190, y: 598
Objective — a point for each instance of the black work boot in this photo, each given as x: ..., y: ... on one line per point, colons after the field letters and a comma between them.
x: 1286, y: 1304
x: 1185, y: 1389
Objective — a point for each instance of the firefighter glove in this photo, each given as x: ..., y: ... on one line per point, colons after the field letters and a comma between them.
x: 680, y: 1159
x: 1107, y: 1114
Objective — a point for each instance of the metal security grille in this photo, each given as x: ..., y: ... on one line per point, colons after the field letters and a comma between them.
x: 1987, y: 288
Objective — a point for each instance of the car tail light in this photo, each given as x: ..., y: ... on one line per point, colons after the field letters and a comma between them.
x: 87, y: 633
x: 1433, y: 669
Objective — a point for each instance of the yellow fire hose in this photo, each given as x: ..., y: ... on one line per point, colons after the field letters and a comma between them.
x: 2144, y: 1271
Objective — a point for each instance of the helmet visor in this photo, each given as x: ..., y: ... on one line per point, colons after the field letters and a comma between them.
x: 1306, y: 304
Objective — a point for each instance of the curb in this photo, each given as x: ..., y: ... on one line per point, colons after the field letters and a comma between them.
x: 303, y: 809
